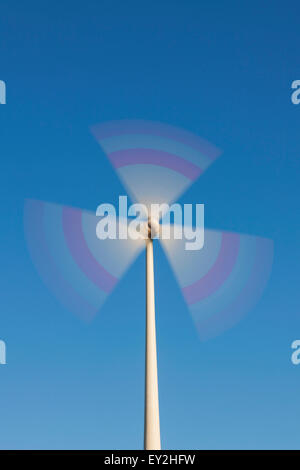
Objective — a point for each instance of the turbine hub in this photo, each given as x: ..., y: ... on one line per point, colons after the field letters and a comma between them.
x: 153, y: 227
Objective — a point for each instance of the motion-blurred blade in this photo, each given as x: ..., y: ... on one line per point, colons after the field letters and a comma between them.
x: 222, y: 281
x: 76, y: 266
x: 156, y: 162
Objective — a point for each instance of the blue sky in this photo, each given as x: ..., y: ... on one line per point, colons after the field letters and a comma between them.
x: 222, y: 70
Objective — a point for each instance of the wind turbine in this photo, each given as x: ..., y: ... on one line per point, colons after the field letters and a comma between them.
x: 156, y: 163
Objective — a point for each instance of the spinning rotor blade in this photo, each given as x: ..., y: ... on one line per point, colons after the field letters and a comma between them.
x: 223, y: 280
x: 156, y: 162
x: 80, y: 269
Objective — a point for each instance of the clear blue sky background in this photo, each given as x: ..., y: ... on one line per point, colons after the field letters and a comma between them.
x: 222, y: 70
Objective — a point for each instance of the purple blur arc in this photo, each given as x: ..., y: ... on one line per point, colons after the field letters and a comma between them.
x: 126, y: 157
x: 72, y: 226
x: 115, y: 128
x: 35, y: 235
x: 219, y: 272
x: 248, y: 296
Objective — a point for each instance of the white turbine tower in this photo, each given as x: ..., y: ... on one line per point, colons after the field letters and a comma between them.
x: 152, y: 427
x: 156, y: 163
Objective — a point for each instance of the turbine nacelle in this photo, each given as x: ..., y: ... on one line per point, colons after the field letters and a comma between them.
x: 153, y: 228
